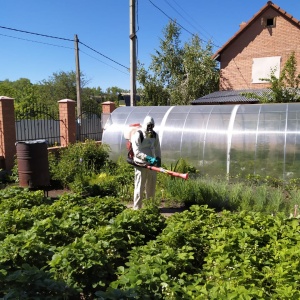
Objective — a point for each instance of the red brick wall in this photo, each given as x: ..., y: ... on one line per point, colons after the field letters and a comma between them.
x: 7, y: 131
x: 68, y: 122
x: 254, y: 42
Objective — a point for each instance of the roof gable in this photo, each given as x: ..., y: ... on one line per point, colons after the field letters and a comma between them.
x: 245, y: 26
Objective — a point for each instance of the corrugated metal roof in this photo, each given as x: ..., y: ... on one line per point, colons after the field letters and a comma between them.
x: 232, y: 96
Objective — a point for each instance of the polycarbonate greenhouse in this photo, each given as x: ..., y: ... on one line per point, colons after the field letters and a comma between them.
x: 262, y: 139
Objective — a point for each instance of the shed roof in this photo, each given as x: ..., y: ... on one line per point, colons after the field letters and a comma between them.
x: 247, y: 24
x: 230, y: 97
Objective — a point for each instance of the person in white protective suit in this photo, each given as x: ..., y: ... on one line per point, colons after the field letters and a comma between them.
x: 146, y: 152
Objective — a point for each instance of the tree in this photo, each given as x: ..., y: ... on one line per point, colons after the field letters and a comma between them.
x: 153, y: 91
x: 60, y: 85
x: 22, y: 90
x: 178, y: 74
x: 7, y: 89
x: 112, y: 93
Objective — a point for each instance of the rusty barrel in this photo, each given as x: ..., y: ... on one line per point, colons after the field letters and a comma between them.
x: 33, y: 164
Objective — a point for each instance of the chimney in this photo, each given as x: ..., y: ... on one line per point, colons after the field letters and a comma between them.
x: 242, y: 25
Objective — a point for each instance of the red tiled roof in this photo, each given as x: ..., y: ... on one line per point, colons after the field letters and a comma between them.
x: 238, y: 33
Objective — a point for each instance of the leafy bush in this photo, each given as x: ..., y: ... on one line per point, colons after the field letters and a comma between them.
x: 78, y: 161
x: 103, y: 185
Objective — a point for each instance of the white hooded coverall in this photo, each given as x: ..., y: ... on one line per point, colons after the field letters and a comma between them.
x: 144, y: 179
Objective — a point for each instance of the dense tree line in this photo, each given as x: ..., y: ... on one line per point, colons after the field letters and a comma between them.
x: 61, y: 85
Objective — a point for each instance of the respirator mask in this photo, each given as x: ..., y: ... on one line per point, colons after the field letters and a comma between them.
x: 149, y: 131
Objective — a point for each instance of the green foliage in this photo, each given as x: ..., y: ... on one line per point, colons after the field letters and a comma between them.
x: 90, y: 262
x: 204, y: 255
x: 283, y: 89
x: 78, y: 161
x: 115, y: 179
x: 182, y: 166
x: 178, y: 74
x: 42, y: 286
x: 23, y: 198
x: 103, y: 185
x: 33, y: 228
x: 260, y: 194
x: 60, y: 85
x: 22, y: 90
x: 75, y: 247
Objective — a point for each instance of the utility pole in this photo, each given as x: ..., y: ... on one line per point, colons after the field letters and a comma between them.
x: 132, y: 37
x: 77, y: 82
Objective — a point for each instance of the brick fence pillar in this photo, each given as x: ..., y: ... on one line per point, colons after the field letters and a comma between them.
x: 7, y: 132
x: 107, y: 108
x: 67, y: 122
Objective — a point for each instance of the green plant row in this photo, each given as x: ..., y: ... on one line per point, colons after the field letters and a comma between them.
x: 68, y: 247
x: 206, y: 255
x: 97, y: 248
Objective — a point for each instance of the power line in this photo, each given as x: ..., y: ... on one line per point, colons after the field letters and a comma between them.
x: 187, y: 20
x: 169, y: 17
x: 102, y: 62
x: 65, y: 39
x: 178, y: 23
x: 103, y: 55
x: 40, y: 34
x: 27, y: 40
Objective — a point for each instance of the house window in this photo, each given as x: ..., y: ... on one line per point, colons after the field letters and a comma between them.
x: 268, y: 22
x: 263, y: 67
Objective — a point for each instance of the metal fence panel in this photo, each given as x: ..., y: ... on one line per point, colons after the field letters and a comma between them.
x: 36, y: 122
x: 41, y: 122
x: 28, y: 130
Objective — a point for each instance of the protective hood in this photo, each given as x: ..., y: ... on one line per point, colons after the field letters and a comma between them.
x: 148, y: 120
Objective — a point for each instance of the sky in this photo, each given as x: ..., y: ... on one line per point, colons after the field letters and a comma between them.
x: 37, y: 36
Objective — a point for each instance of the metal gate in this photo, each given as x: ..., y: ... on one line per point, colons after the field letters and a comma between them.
x: 88, y: 125
x: 36, y: 122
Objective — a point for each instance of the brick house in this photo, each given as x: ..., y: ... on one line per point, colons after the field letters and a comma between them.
x: 263, y: 43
